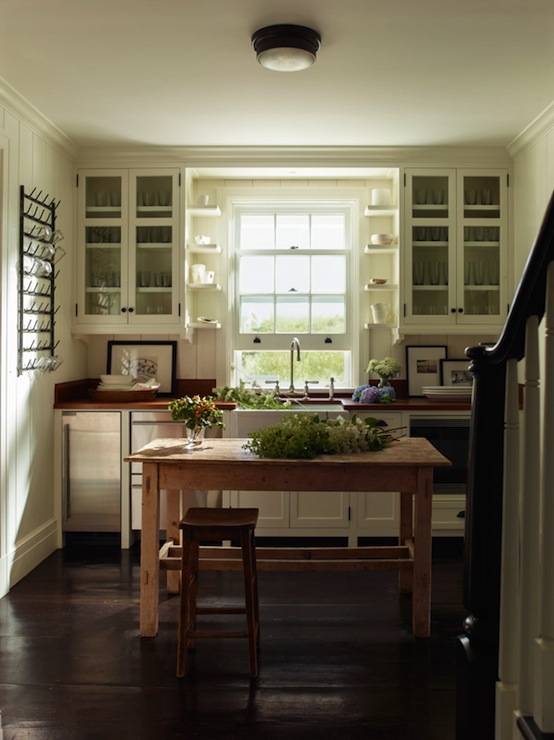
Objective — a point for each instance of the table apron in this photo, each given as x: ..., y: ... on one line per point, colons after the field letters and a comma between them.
x: 298, y: 477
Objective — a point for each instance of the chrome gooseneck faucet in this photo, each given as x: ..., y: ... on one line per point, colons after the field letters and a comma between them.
x: 294, y: 345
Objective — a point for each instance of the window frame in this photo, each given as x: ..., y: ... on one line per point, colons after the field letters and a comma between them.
x: 281, y: 341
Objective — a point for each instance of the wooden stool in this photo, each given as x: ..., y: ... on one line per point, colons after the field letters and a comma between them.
x: 217, y: 524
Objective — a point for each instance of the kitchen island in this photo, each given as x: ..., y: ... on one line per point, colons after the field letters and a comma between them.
x: 405, y: 465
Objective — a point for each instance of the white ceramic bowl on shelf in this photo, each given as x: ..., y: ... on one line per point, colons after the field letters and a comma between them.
x: 381, y: 240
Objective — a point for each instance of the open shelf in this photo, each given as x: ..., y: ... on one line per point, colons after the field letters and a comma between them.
x: 370, y: 325
x: 430, y: 244
x: 204, y: 249
x: 204, y: 286
x: 204, y: 325
x: 368, y: 288
x: 482, y: 244
x: 376, y: 249
x: 204, y: 211
x: 380, y: 211
x: 102, y: 209
x: 477, y: 207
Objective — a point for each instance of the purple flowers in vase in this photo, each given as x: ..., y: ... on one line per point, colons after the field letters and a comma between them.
x: 372, y: 394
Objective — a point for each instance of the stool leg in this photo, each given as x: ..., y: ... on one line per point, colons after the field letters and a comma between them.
x: 247, y: 562
x: 193, y: 592
x: 255, y: 588
x: 185, y: 612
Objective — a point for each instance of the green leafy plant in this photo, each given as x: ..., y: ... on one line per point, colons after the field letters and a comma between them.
x: 305, y: 436
x: 196, y: 411
x: 250, y: 398
x: 386, y: 368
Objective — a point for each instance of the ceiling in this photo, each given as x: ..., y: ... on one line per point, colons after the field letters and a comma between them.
x: 182, y: 72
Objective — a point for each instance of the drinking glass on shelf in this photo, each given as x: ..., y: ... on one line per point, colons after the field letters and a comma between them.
x: 436, y: 233
x: 478, y: 273
x: 164, y: 198
x: 468, y: 273
x: 471, y: 196
x: 101, y: 198
x: 438, y: 197
x: 486, y: 197
x: 419, y: 272
x: 421, y: 197
x: 434, y: 273
x: 443, y: 268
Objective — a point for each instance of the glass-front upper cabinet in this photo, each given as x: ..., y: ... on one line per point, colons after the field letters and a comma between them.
x: 153, y: 264
x: 482, y: 222
x: 430, y: 247
x: 103, y: 242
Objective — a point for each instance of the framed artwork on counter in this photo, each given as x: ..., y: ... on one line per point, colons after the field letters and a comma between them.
x: 145, y: 360
x: 456, y: 372
x: 423, y: 366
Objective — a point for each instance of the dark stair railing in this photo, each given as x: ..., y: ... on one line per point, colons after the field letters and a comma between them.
x: 478, y: 646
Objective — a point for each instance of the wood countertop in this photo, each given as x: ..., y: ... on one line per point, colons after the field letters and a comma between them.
x: 407, y: 451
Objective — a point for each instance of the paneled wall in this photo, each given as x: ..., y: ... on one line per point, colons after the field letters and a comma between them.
x: 27, y: 518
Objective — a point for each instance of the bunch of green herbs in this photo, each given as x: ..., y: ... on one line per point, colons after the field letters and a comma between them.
x: 249, y: 398
x: 305, y: 436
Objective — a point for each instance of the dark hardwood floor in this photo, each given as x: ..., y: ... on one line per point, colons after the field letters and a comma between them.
x: 338, y: 660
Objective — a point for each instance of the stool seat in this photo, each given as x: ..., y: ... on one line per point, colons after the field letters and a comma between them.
x: 203, y: 517
x: 202, y: 524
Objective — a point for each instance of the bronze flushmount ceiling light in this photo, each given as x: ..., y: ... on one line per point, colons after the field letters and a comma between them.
x: 286, y: 48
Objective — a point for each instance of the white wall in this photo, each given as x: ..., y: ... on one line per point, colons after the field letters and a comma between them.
x: 32, y: 157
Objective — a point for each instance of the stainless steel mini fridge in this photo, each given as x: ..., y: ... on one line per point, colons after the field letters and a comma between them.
x: 92, y: 471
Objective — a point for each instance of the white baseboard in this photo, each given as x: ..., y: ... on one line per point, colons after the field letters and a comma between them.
x: 506, y: 703
x: 27, y: 554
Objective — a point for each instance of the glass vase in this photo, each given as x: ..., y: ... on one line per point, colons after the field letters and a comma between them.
x: 384, y: 383
x: 195, y: 438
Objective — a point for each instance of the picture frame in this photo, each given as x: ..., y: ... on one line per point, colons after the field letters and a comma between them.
x: 423, y: 366
x: 144, y: 359
x: 456, y: 372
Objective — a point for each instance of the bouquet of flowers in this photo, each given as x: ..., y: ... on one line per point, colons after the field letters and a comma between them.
x: 198, y: 413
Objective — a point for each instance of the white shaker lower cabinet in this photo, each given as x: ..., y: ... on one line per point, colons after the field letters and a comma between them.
x: 319, y: 510
x: 274, y: 508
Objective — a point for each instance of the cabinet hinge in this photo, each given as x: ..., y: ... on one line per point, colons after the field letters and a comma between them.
x: 77, y: 181
x: 179, y: 308
x: 349, y: 513
x: 507, y: 309
x: 404, y: 309
x: 404, y: 179
x: 179, y: 179
x: 508, y: 181
x: 76, y: 309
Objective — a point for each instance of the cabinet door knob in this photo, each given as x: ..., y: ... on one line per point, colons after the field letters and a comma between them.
x: 452, y: 310
x: 123, y: 310
x: 460, y: 310
x: 131, y: 309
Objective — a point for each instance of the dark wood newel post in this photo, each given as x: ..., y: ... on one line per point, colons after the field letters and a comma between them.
x: 477, y: 660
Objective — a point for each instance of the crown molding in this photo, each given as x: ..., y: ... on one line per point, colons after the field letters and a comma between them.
x: 17, y: 104
x: 299, y: 156
x: 538, y: 126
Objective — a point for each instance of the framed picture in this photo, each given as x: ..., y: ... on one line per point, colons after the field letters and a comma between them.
x: 144, y: 360
x: 456, y: 372
x: 423, y: 366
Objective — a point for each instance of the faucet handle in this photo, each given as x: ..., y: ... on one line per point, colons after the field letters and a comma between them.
x: 276, y: 390
x: 307, y: 384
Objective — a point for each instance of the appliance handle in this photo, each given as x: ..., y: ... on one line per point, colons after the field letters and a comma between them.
x: 66, y: 470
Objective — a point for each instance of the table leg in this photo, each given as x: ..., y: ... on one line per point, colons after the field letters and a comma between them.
x: 405, y: 577
x: 149, y: 551
x: 173, y: 517
x: 421, y: 598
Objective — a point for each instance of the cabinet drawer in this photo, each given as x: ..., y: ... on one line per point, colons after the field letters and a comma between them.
x: 446, y: 513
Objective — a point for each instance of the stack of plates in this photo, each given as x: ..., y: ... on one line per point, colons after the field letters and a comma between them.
x: 447, y: 392
x: 115, y: 383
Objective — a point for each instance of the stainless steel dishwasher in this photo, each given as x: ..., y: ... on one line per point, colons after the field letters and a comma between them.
x: 91, y: 471
x: 145, y: 427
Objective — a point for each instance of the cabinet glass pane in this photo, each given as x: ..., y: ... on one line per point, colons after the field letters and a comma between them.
x: 103, y: 270
x: 155, y: 196
x: 103, y: 197
x: 430, y: 196
x: 153, y: 277
x: 482, y: 197
x: 430, y: 270
x: 481, y: 270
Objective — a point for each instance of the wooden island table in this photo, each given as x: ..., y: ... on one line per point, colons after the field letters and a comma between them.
x: 405, y: 466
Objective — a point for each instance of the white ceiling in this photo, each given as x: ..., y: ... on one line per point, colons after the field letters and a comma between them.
x: 182, y: 72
